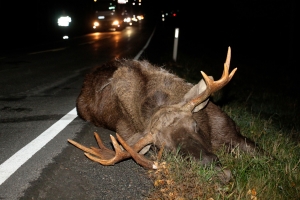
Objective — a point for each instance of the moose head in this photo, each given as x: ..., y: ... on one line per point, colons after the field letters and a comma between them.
x: 146, y: 105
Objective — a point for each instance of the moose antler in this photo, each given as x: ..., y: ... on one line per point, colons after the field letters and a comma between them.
x: 105, y: 156
x: 212, y: 86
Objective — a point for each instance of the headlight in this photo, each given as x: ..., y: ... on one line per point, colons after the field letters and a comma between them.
x: 127, y: 19
x: 140, y: 17
x: 115, y: 23
x: 64, y: 21
x: 96, y: 23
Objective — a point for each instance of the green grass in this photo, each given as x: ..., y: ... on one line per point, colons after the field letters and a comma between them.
x: 267, y: 177
x: 266, y: 113
x: 272, y: 178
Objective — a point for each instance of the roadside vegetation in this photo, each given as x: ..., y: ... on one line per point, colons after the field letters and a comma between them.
x: 266, y: 112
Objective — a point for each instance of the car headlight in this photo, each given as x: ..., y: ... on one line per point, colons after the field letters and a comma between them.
x: 115, y: 23
x: 64, y: 21
x: 127, y: 19
x: 140, y: 17
x: 96, y: 23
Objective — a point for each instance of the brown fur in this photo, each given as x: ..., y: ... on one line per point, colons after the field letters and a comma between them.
x: 134, y: 98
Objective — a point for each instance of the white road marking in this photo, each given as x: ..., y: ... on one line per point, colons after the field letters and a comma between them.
x: 19, y: 158
x: 140, y: 53
x: 50, y: 50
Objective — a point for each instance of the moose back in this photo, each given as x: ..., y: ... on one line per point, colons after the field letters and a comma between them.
x: 146, y: 105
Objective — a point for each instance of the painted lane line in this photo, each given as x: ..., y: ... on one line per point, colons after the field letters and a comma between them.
x: 19, y: 158
x: 145, y: 47
x: 12, y: 164
x: 50, y: 50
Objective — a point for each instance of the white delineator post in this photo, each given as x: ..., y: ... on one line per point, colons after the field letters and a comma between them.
x: 175, y: 44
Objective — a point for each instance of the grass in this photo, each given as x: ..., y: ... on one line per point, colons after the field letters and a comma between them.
x: 268, y: 115
x: 253, y: 177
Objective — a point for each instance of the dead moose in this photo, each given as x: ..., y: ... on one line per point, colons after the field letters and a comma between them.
x: 146, y: 105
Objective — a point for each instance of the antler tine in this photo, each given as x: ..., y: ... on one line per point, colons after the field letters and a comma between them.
x: 228, y: 57
x: 80, y: 146
x: 99, y: 141
x: 227, y: 61
x: 105, y: 156
x: 211, y: 85
x: 139, y: 158
x: 120, y: 154
x: 131, y: 152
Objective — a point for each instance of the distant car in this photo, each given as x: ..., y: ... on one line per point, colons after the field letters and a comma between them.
x: 133, y: 20
x: 108, y: 21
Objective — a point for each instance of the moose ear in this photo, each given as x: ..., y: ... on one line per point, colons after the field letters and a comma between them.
x: 194, y: 92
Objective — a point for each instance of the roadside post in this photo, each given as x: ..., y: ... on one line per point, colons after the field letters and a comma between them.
x: 175, y: 44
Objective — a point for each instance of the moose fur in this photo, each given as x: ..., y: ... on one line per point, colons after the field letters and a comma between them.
x: 134, y: 98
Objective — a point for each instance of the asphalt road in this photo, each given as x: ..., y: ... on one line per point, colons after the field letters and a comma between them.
x: 38, y: 87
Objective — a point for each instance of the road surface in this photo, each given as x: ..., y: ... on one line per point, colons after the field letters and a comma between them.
x: 38, y: 91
